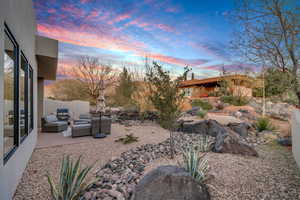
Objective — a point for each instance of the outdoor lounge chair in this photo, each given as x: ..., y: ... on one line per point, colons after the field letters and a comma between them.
x: 91, y: 127
x: 62, y: 114
x: 50, y: 123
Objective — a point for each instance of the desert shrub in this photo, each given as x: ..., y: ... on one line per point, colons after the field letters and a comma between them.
x: 128, y: 139
x: 203, y: 104
x: 194, y: 163
x: 71, y: 184
x: 257, y: 92
x: 166, y: 97
x: 263, y: 124
x: 125, y: 89
x: 235, y: 100
x: 201, y: 113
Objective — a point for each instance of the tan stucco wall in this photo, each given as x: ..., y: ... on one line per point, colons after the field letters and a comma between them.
x: 242, y: 91
x: 296, y: 135
x: 20, y: 17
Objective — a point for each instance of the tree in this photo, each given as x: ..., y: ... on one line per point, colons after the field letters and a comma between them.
x: 69, y: 89
x: 96, y: 75
x: 125, y: 89
x: 269, y: 34
x: 166, y: 96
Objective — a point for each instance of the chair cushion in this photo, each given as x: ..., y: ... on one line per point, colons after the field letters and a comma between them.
x: 51, y: 118
x: 81, y: 126
x: 57, y: 123
x: 84, y: 116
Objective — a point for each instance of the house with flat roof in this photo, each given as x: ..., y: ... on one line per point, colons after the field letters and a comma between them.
x: 197, y: 88
x: 26, y: 60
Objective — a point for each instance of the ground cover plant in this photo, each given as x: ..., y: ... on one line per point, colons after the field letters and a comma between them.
x: 128, y: 139
x: 201, y: 113
x: 203, y: 104
x: 263, y: 124
x: 235, y: 100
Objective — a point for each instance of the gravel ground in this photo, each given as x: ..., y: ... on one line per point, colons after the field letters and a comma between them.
x: 34, y: 186
x: 272, y: 176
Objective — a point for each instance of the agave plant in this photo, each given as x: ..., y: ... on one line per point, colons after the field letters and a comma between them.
x: 71, y: 185
x: 195, y: 163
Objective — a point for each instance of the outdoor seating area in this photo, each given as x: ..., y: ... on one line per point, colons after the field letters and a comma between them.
x: 86, y: 125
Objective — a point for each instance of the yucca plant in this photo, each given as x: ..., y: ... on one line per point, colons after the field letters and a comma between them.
x: 71, y: 185
x: 195, y: 163
x: 203, y: 144
x: 263, y: 124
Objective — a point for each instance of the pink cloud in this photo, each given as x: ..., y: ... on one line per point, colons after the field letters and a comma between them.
x: 177, y: 61
x: 51, y: 10
x: 165, y: 27
x: 92, y: 37
x: 73, y: 10
x: 172, y: 9
x: 84, y: 1
x: 119, y: 18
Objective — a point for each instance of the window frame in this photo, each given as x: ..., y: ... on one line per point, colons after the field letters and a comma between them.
x: 30, y: 84
x: 26, y: 128
x: 7, y: 155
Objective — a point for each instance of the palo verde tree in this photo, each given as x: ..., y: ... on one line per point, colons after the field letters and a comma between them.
x: 268, y: 34
x: 166, y: 96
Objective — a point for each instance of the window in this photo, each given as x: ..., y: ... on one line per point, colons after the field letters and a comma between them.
x: 30, y: 98
x: 23, y: 105
x: 10, y: 97
x: 18, y: 96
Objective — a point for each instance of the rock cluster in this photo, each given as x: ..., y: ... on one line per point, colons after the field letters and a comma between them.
x: 227, y: 139
x: 117, y: 179
x: 276, y: 110
x: 122, y: 114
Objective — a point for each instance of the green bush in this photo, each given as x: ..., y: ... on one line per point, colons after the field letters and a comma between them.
x: 263, y: 124
x: 128, y: 139
x: 195, y: 163
x: 71, y: 183
x: 203, y: 104
x: 235, y: 100
x: 202, y: 113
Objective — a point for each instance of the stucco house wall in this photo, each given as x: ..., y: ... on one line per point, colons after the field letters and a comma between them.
x: 20, y: 18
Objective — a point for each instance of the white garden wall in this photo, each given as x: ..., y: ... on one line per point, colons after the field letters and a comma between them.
x: 75, y: 107
x: 296, y: 135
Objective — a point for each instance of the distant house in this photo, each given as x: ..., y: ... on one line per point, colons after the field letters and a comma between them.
x: 240, y: 85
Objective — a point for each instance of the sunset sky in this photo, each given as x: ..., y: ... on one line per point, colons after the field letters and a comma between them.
x: 175, y: 33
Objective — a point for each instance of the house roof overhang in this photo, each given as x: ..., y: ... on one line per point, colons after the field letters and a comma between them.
x: 47, y: 57
x: 213, y: 80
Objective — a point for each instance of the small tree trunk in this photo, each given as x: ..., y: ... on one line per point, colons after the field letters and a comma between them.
x: 172, y: 147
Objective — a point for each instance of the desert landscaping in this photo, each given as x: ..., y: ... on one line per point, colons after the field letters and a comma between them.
x: 249, y: 165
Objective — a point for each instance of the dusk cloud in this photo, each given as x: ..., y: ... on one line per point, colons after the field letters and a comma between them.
x: 174, y: 33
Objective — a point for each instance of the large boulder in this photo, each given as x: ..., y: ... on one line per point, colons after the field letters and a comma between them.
x: 227, y: 140
x: 169, y: 183
x: 240, y: 128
